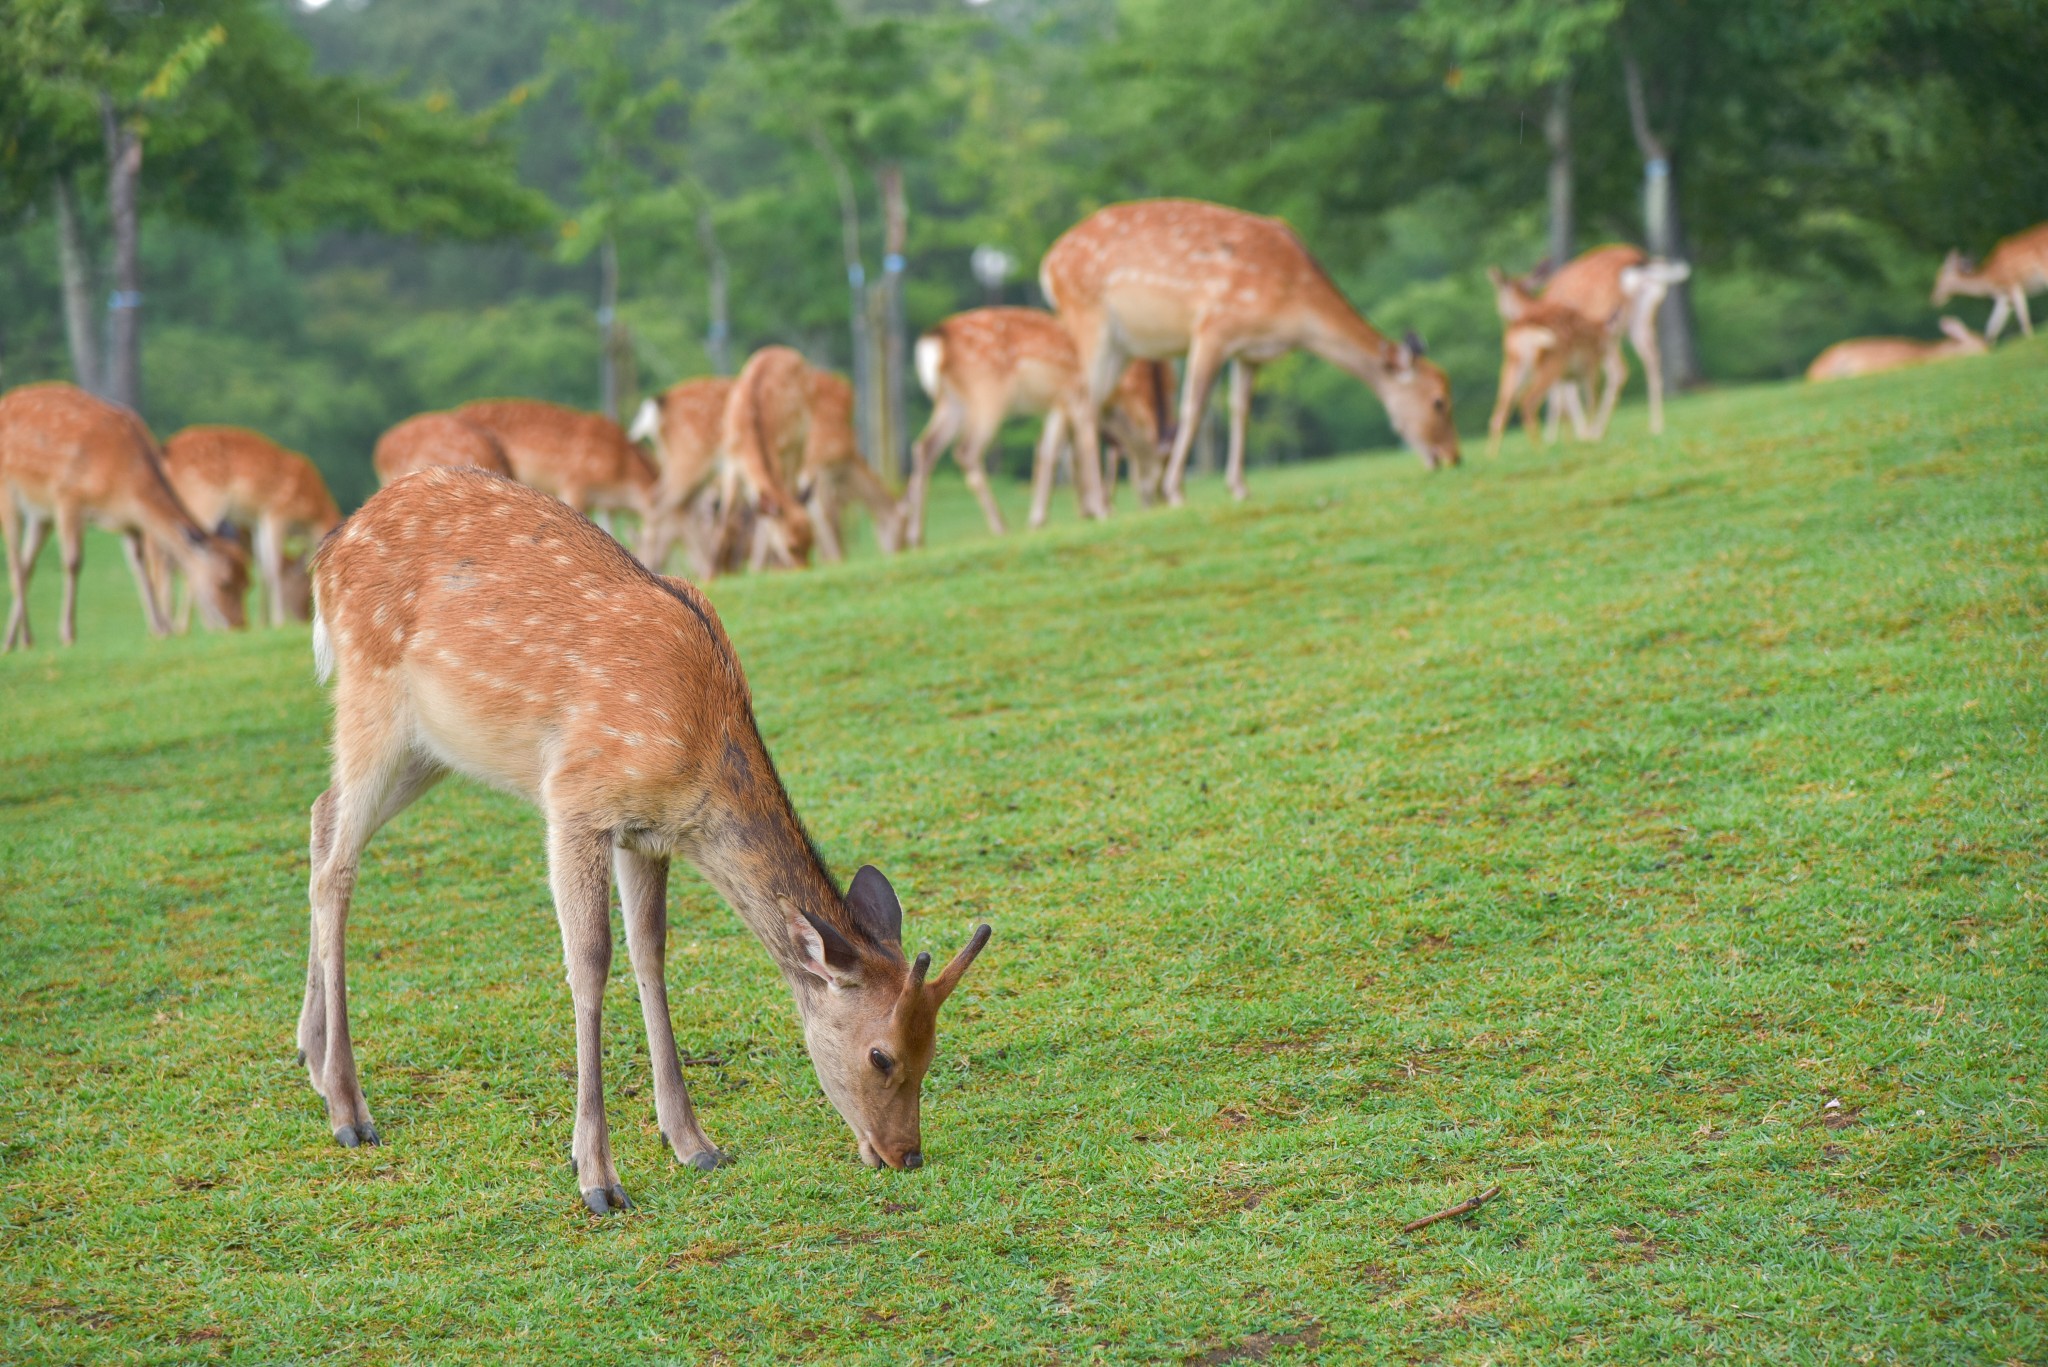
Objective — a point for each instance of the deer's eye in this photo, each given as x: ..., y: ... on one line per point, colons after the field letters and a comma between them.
x: 883, y: 1063
x: 1438, y: 405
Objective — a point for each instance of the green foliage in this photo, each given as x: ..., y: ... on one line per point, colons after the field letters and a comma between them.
x: 1655, y: 829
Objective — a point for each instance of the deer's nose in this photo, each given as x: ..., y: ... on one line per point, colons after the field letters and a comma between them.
x: 914, y: 1159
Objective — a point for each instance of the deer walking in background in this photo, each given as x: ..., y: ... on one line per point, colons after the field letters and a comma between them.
x: 431, y: 439
x: 1548, y: 349
x: 789, y: 454
x: 1868, y: 355
x: 230, y: 476
x: 470, y: 624
x: 684, y: 423
x: 1620, y: 290
x: 2016, y: 268
x: 988, y: 364
x: 581, y: 458
x: 1170, y: 277
x: 68, y: 458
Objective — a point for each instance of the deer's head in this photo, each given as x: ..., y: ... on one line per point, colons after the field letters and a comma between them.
x: 1948, y: 281
x: 871, y: 1016
x: 1417, y: 394
x: 218, y: 566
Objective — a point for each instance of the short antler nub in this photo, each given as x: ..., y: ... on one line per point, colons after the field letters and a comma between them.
x: 918, y: 968
x: 949, y: 978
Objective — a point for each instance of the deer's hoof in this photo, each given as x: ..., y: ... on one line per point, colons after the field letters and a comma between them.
x: 368, y: 1135
x: 709, y: 1159
x: 346, y: 1137
x: 605, y: 1200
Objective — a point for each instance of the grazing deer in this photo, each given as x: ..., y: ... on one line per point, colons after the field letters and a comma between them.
x: 1167, y: 277
x: 684, y: 423
x: 1868, y: 355
x: 432, y: 439
x: 2016, y: 268
x: 581, y: 458
x: 230, y: 476
x: 1619, y: 289
x: 67, y: 457
x: 985, y: 365
x: 471, y: 624
x: 1549, y: 348
x: 789, y: 453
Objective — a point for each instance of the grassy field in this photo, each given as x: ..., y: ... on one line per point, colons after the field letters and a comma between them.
x: 1655, y: 829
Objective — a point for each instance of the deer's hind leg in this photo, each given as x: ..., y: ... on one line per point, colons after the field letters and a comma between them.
x: 377, y: 774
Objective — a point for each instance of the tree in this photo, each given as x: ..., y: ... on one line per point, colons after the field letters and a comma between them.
x: 240, y: 131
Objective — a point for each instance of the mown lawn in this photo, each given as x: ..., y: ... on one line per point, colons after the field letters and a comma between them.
x: 1656, y: 829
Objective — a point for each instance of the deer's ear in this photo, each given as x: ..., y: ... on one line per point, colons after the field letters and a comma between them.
x: 873, y: 904
x: 825, y: 952
x: 1400, y: 359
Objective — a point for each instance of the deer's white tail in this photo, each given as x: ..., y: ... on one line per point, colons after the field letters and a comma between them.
x: 323, y: 648
x: 930, y: 355
x: 646, y: 422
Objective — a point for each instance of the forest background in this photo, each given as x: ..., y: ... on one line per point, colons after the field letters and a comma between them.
x: 319, y: 220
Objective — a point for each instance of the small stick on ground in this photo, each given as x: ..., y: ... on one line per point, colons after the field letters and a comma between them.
x: 1465, y: 1207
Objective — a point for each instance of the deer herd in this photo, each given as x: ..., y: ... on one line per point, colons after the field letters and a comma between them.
x: 471, y: 619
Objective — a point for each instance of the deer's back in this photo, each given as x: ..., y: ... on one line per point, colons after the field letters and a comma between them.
x: 2021, y: 259
x: 431, y: 439
x: 522, y: 638
x: 1590, y: 283
x: 1156, y: 265
x: 552, y: 447
x: 235, y: 473
x: 59, y: 443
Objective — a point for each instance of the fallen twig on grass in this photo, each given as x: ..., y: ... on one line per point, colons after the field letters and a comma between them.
x: 1465, y: 1207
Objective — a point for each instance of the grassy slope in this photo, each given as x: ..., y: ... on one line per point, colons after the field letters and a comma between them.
x: 1582, y: 822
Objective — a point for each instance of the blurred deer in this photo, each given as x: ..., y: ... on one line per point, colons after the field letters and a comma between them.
x: 684, y: 424
x: 788, y: 453
x: 581, y: 458
x: 1619, y: 290
x: 67, y: 457
x: 2016, y: 268
x: 1549, y: 349
x: 985, y: 365
x: 232, y: 477
x: 1868, y: 355
x: 474, y: 625
x: 434, y: 439
x: 1167, y: 277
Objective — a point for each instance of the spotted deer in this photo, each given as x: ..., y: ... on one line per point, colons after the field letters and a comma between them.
x: 230, y: 476
x: 1546, y: 348
x: 1620, y: 290
x: 2016, y: 268
x: 470, y: 624
x: 1170, y: 277
x: 431, y: 439
x: 684, y: 424
x: 1869, y: 355
x: 789, y: 454
x: 985, y: 365
x: 68, y: 458
x: 581, y: 458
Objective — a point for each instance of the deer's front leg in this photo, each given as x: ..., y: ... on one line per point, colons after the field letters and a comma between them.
x: 579, y: 872
x: 643, y: 896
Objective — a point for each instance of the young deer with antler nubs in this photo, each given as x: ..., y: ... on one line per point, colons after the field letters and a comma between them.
x: 471, y: 624
x: 1166, y: 277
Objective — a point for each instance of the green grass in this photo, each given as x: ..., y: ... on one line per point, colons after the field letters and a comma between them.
x: 1589, y: 822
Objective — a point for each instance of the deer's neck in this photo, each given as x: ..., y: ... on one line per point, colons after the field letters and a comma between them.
x: 751, y: 847
x: 1335, y: 331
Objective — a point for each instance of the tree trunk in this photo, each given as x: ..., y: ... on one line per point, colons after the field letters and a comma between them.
x: 717, y: 339
x: 1557, y: 131
x: 608, y: 387
x: 124, y: 332
x: 856, y: 288
x: 1663, y: 234
x: 892, y: 453
x: 74, y: 263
